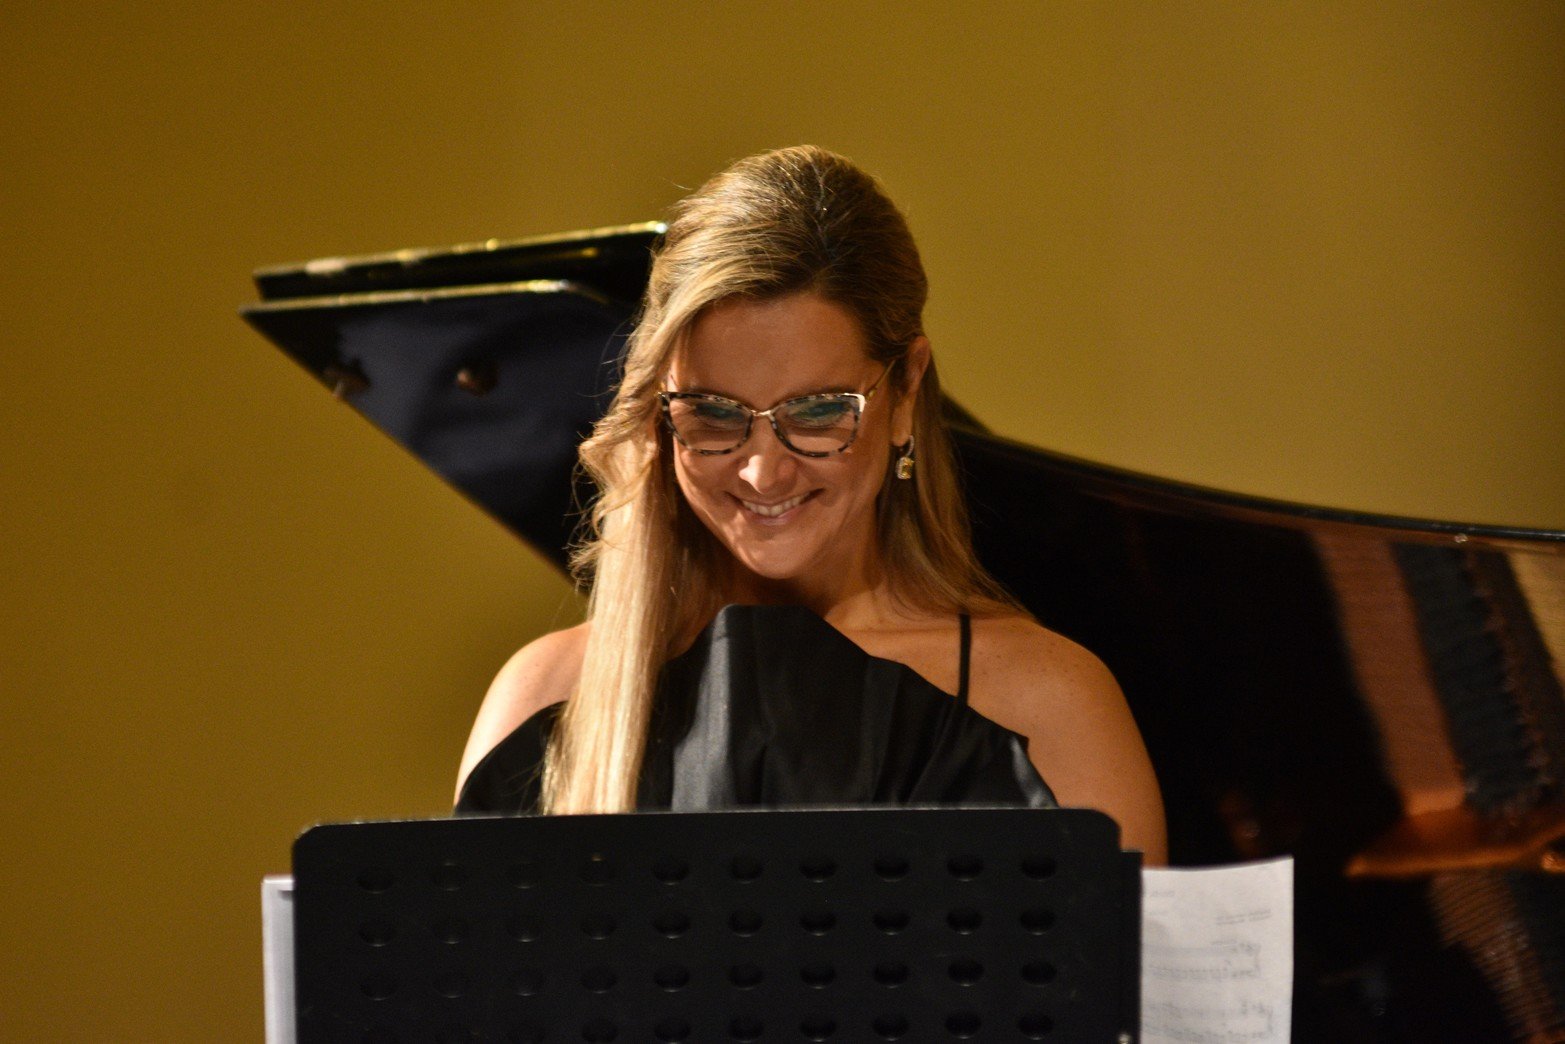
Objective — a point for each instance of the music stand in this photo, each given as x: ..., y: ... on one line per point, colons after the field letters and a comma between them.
x: 806, y: 925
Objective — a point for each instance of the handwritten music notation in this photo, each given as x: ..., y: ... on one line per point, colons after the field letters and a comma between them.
x: 1223, y: 961
x: 1217, y: 954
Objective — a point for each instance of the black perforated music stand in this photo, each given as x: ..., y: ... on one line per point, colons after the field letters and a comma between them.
x: 808, y: 925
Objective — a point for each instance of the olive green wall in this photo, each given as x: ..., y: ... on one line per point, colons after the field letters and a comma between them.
x: 1313, y: 254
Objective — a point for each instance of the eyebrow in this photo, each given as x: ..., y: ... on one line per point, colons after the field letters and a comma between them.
x: 701, y: 389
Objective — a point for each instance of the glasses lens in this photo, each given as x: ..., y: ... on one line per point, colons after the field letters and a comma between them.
x: 708, y: 425
x: 819, y: 423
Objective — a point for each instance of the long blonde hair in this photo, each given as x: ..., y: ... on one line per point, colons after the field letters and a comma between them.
x: 798, y: 219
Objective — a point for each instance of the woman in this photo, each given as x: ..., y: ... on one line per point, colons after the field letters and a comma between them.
x: 776, y: 447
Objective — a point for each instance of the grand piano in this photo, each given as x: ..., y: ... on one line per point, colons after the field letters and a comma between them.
x: 1378, y: 697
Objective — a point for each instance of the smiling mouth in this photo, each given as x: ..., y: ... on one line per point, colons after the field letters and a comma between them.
x: 776, y: 510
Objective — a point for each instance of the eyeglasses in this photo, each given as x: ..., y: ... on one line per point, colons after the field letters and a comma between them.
x: 810, y: 425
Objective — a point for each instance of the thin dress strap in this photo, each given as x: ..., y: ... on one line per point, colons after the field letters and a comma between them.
x: 966, y: 623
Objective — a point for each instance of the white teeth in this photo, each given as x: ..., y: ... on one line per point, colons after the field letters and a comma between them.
x: 773, y: 510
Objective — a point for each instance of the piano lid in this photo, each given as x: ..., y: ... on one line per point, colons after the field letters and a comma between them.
x: 613, y: 261
x: 1380, y: 697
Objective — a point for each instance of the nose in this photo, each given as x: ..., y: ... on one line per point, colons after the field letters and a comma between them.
x: 768, y: 465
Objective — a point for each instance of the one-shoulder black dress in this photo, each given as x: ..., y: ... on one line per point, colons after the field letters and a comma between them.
x: 773, y: 706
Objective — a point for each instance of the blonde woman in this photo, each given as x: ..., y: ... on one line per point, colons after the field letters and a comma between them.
x: 785, y: 605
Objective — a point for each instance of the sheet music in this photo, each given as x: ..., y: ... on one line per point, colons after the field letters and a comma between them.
x: 1217, y: 954
x: 277, y: 957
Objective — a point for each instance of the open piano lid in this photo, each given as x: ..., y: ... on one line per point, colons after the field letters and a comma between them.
x: 1379, y: 697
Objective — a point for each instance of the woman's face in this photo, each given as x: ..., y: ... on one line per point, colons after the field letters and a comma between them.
x: 807, y: 523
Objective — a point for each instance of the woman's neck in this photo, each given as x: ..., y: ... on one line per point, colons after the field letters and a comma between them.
x: 861, y: 602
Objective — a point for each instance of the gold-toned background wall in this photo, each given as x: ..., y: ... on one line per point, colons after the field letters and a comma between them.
x: 1308, y: 253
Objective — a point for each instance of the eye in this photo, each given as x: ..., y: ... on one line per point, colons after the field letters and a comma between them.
x: 715, y: 414
x: 818, y: 412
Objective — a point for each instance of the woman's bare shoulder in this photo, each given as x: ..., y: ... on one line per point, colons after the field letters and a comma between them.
x: 541, y: 673
x: 1080, y: 732
x: 1029, y: 678
x: 1024, y: 658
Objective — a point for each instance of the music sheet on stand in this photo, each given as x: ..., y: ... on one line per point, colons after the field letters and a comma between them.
x: 1217, y: 954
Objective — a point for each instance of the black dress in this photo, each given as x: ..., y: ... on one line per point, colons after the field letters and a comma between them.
x: 774, y: 706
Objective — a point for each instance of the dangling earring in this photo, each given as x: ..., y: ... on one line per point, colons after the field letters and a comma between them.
x: 905, y: 460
